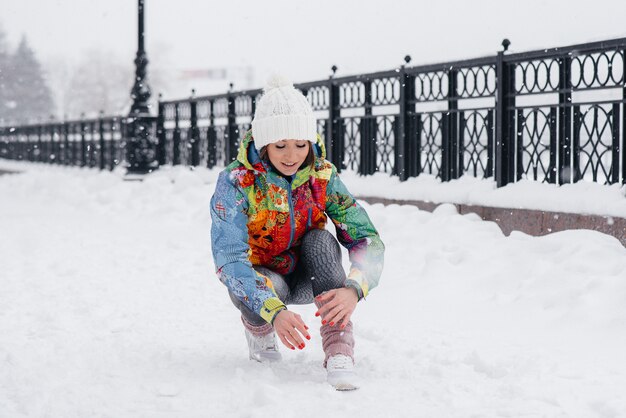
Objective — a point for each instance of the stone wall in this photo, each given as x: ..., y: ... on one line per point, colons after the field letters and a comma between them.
x: 532, y: 222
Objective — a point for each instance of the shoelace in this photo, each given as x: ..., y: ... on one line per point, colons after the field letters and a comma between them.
x: 340, y: 362
x: 268, y: 342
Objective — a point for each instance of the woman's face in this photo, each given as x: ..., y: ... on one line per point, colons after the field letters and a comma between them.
x: 288, y: 155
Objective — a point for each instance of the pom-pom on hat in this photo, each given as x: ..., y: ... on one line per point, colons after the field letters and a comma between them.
x: 282, y: 112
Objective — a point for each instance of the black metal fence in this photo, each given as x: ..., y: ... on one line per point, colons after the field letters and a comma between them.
x: 84, y: 143
x: 555, y: 115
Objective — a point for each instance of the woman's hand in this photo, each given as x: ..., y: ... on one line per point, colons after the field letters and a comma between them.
x: 339, y: 306
x: 290, y: 328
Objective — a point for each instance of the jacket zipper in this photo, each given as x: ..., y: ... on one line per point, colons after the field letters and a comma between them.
x: 292, y: 220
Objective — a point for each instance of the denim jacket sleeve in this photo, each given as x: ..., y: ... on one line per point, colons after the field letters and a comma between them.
x: 229, y: 244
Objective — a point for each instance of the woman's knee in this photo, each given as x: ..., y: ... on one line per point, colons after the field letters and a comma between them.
x: 278, y: 282
x: 320, y: 245
x: 322, y: 257
x: 316, y: 238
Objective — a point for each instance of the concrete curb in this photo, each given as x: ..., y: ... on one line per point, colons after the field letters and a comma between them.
x: 532, y: 222
x: 8, y: 172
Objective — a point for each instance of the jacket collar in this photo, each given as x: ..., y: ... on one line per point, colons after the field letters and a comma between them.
x: 250, y: 158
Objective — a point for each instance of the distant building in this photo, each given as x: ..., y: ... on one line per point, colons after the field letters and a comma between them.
x: 207, y: 81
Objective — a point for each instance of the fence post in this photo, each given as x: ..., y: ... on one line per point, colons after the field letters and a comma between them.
x: 176, y: 136
x: 553, y: 145
x: 47, y: 143
x: 367, y: 131
x: 39, y: 154
x: 334, y: 141
x: 66, y: 142
x: 10, y: 143
x: 92, y: 146
x: 519, y: 150
x: 25, y: 152
x: 449, y: 166
x: 77, y: 144
x: 18, y: 143
x: 194, y: 132
x: 54, y: 132
x: 211, y: 139
x: 6, y: 150
x: 577, y: 118
x: 406, y: 150
x: 45, y: 129
x: 505, y: 141
x: 31, y: 143
x: 489, y: 169
x: 6, y: 146
x: 83, y: 143
x: 231, y: 133
x: 54, y: 144
x: 160, y: 150
x: 413, y: 128
x: 461, y: 145
x: 13, y: 145
x: 19, y: 148
x: 3, y: 147
x: 116, y: 125
x: 101, y: 141
x: 72, y: 146
x: 565, y: 120
x: 615, y: 144
x: 624, y: 117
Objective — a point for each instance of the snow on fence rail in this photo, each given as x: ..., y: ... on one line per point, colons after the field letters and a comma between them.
x: 555, y: 115
x: 97, y: 143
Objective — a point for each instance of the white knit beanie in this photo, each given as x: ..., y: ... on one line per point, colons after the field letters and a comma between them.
x: 282, y: 113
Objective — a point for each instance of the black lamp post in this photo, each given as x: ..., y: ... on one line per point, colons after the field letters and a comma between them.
x: 140, y: 146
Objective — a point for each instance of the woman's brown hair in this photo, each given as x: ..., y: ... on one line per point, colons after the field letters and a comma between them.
x: 308, y: 161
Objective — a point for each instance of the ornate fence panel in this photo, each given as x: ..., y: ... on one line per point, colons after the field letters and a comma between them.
x: 203, y: 131
x: 568, y: 113
x: 95, y: 143
x: 554, y: 115
x: 451, y: 113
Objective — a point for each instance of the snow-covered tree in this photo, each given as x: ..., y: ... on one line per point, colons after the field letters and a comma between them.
x: 4, y: 82
x: 99, y: 80
x: 30, y: 90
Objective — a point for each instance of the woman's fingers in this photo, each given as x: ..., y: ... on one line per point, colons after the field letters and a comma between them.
x: 333, y: 315
x: 296, y: 338
x: 298, y: 330
x: 285, y: 341
x: 302, y: 328
x: 328, y: 296
x: 339, y: 308
x: 344, y: 320
x: 291, y: 329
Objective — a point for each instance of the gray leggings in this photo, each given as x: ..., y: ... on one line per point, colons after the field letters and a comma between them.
x: 319, y: 270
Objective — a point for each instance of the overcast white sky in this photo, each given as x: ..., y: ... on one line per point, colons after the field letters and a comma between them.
x: 304, y: 38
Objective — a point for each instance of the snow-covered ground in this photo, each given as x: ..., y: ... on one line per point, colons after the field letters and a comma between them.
x: 109, y: 308
x: 585, y: 197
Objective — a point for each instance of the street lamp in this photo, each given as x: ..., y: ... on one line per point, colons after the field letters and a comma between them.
x: 140, y: 146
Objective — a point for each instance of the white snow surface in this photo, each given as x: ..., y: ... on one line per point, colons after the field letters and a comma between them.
x: 109, y: 307
x: 584, y: 197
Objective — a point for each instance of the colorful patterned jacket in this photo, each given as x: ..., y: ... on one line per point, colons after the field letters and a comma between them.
x: 259, y: 218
